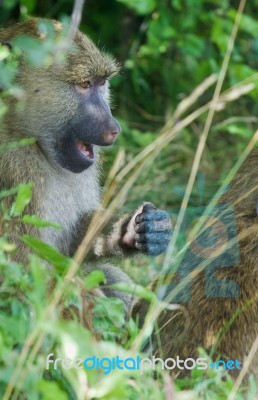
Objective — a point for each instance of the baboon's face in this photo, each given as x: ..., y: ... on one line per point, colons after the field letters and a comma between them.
x: 68, y: 119
x: 92, y: 124
x: 66, y: 106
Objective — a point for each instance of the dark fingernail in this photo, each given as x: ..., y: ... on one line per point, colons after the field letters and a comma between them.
x: 149, y: 207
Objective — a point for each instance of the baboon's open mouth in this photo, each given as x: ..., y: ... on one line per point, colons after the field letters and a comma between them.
x: 85, y: 149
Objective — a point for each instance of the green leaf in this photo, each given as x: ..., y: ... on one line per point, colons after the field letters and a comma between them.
x: 220, y: 33
x: 94, y: 279
x: 141, y: 7
x: 51, y: 391
x: 9, y: 4
x: 253, y: 388
x: 142, y: 139
x: 136, y: 290
x: 29, y: 4
x: 4, y: 52
x: 36, y: 51
x: 247, y: 23
x: 109, y: 314
x: 47, y: 252
x: 9, y: 192
x: 22, y: 200
x: 40, y: 223
x: 39, y: 274
x: 242, y: 131
x: 8, y: 247
x: 7, y: 75
x: 15, y: 144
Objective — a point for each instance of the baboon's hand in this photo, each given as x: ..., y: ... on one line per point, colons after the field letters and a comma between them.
x: 149, y: 230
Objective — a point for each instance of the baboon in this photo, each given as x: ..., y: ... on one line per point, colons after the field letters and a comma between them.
x: 222, y: 321
x: 65, y: 107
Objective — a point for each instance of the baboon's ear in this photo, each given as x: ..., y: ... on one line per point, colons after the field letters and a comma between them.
x: 7, y: 44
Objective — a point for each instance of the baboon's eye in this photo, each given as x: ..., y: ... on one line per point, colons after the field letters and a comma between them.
x: 102, y: 81
x: 85, y: 85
